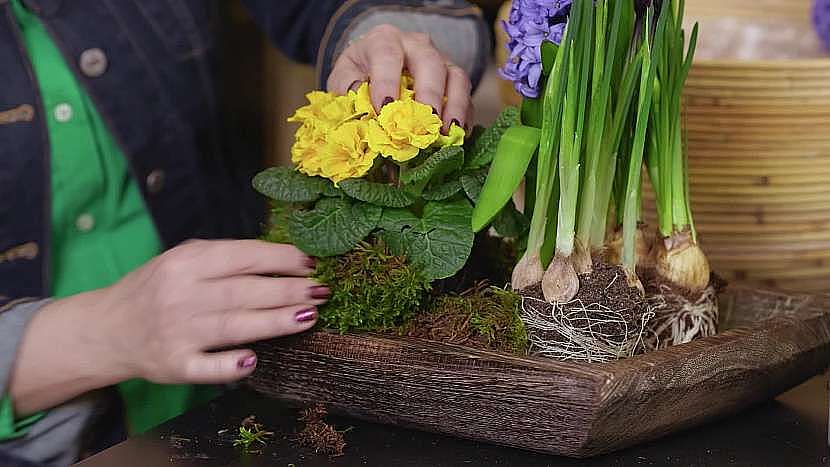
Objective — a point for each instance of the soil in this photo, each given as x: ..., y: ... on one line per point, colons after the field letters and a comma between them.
x: 318, y: 435
x: 604, y: 289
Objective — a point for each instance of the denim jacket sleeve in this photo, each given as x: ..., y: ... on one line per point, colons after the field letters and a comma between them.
x: 317, y: 31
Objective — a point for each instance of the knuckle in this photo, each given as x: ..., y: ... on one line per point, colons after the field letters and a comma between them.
x: 384, y: 30
x: 420, y: 37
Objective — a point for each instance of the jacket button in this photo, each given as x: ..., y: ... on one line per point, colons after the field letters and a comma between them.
x: 93, y: 62
x: 155, y: 181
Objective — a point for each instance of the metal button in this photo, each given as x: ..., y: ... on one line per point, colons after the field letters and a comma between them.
x: 85, y: 222
x: 63, y: 112
x: 93, y: 62
x: 155, y: 181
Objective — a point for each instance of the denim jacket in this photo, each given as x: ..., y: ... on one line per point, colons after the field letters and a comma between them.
x: 149, y: 67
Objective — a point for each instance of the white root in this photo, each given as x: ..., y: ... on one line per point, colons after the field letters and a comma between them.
x: 582, y: 332
x: 678, y: 320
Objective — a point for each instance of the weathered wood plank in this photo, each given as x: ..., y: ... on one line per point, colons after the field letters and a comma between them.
x: 544, y: 405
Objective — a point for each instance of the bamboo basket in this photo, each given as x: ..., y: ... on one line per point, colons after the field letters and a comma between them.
x: 759, y: 155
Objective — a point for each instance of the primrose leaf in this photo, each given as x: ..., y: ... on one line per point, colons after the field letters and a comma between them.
x: 438, y: 244
x: 472, y: 183
x: 484, y: 148
x: 288, y: 185
x: 380, y: 194
x: 510, y: 222
x: 443, y: 191
x: 444, y: 161
x: 333, y: 227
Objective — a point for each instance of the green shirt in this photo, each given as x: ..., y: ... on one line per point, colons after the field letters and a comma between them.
x: 101, y: 228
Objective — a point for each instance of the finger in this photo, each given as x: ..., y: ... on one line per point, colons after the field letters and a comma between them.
x: 262, y: 292
x: 346, y: 75
x: 468, y: 122
x: 428, y: 68
x: 220, y: 367
x: 242, y: 327
x: 223, y: 258
x: 458, y: 97
x: 382, y: 54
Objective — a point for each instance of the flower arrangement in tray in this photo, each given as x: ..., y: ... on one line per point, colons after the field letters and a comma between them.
x: 417, y: 232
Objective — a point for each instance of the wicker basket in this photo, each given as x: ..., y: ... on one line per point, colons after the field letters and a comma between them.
x: 759, y: 156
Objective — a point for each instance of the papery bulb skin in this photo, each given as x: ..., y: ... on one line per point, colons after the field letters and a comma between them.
x: 528, y: 272
x: 560, y: 283
x: 645, y: 239
x: 583, y: 264
x: 682, y: 262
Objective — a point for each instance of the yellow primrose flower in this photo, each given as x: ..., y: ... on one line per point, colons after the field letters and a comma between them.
x: 326, y: 109
x: 363, y: 98
x: 346, y: 153
x: 403, y: 128
x: 305, y: 152
x: 454, y: 138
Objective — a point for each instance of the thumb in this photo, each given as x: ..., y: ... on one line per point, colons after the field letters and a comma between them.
x: 220, y: 367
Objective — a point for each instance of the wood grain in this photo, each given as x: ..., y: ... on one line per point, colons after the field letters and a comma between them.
x: 562, y: 408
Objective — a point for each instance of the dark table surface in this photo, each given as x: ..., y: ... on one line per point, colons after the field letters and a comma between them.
x: 791, y: 430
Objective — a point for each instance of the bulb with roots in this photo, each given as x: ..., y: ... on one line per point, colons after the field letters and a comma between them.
x: 681, y: 261
x: 560, y: 282
x: 528, y: 272
x: 644, y: 243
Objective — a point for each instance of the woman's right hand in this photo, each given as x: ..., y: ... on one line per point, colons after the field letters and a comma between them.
x: 165, y: 321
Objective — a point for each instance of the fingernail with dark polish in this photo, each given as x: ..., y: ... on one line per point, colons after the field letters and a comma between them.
x: 455, y: 122
x: 435, y: 111
x: 247, y: 362
x: 319, y: 291
x: 304, y: 316
x: 388, y: 100
x: 311, y: 263
x: 355, y: 85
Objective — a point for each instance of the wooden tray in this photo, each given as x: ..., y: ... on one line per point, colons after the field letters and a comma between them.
x: 577, y: 410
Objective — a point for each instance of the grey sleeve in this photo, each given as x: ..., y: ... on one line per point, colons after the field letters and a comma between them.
x: 456, y: 28
x: 14, y: 317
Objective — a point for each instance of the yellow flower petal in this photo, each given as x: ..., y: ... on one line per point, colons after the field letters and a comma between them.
x: 454, y: 138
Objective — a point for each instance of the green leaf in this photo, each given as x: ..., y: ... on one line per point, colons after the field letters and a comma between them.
x: 438, y: 244
x: 485, y: 146
x: 515, y: 150
x: 549, y: 51
x: 472, y: 183
x: 443, y: 191
x: 333, y: 227
x: 380, y: 194
x: 444, y: 161
x: 510, y: 222
x: 288, y: 185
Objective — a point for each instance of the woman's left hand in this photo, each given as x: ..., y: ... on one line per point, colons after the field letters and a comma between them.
x: 384, y: 53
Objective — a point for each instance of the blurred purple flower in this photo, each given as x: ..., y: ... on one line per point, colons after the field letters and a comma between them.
x: 821, y: 20
x: 530, y: 23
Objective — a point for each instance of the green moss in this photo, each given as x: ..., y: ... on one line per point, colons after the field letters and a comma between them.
x: 372, y: 290
x: 485, y: 318
x: 277, y: 228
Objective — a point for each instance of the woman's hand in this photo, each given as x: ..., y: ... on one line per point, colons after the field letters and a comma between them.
x: 384, y: 53
x: 165, y: 321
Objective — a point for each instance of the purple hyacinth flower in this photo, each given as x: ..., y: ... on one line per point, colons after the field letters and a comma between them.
x: 530, y: 23
x: 821, y: 20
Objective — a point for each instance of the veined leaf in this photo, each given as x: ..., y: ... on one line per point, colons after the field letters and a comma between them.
x: 438, y: 244
x: 443, y: 191
x: 484, y: 148
x: 472, y: 182
x: 509, y: 222
x: 288, y: 185
x: 380, y: 194
x: 333, y: 227
x: 444, y: 161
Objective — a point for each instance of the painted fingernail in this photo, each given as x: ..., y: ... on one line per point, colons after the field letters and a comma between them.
x: 388, y: 100
x: 455, y: 122
x: 319, y: 291
x: 310, y: 262
x: 355, y: 85
x: 247, y: 362
x: 304, y: 316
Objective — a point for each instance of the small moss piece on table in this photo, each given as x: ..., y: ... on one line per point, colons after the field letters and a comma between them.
x: 318, y: 435
x: 252, y: 437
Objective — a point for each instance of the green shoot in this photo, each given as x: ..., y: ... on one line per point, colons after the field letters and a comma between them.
x: 252, y: 437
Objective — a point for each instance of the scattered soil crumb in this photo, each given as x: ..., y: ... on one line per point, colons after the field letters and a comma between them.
x: 318, y: 435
